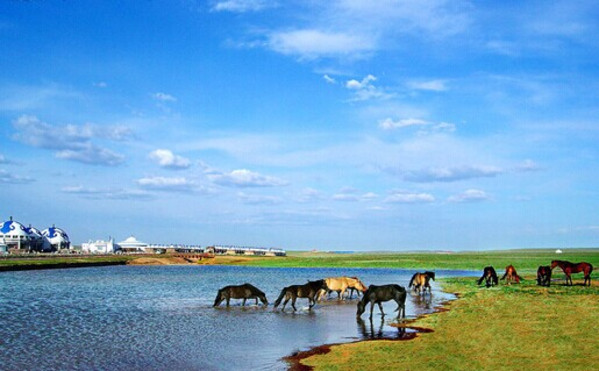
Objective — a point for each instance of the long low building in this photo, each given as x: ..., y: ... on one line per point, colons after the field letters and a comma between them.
x: 244, y: 250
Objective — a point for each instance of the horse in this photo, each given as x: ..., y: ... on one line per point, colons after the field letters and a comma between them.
x: 309, y: 290
x: 245, y: 291
x: 490, y: 277
x: 378, y: 294
x: 544, y: 275
x: 511, y: 275
x: 420, y: 282
x: 341, y: 284
x: 569, y: 268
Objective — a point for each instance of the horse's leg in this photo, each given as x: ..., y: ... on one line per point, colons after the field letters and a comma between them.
x: 343, y: 288
x: 293, y: 303
x: 228, y: 299
x: 256, y: 300
x: 381, y: 308
x: 285, y: 303
x: 371, y: 305
x: 243, y: 303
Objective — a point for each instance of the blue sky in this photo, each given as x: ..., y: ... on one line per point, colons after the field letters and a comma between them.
x: 336, y: 125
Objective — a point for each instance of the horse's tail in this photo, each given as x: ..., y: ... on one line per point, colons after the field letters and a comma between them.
x: 412, y: 280
x: 218, y: 298
x: 280, y: 298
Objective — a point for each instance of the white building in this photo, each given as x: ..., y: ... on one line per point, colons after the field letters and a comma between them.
x: 99, y: 246
x: 15, y: 235
x: 55, y: 239
x: 131, y: 244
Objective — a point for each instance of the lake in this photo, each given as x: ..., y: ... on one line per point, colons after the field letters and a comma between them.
x: 161, y: 317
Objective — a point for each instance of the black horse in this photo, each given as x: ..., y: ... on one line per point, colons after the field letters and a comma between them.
x: 379, y: 294
x: 544, y: 275
x: 245, y: 291
x: 489, y: 276
x: 310, y: 290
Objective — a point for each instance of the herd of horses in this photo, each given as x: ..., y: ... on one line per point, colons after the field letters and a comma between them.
x: 543, y: 273
x: 317, y: 290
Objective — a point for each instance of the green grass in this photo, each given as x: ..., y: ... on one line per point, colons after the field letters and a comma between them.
x: 49, y: 262
x: 504, y: 328
x: 525, y: 261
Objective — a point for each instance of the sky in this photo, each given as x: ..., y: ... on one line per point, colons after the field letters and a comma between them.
x: 331, y: 125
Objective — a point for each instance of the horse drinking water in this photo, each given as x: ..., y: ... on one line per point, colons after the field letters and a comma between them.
x: 420, y: 282
x: 309, y: 290
x: 245, y: 291
x: 569, y: 268
x: 379, y: 294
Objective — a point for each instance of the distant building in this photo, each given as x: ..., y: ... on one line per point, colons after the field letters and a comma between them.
x: 242, y: 250
x: 558, y: 251
x: 131, y: 244
x: 100, y: 247
x: 20, y: 238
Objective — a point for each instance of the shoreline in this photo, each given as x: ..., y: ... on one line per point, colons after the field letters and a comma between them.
x: 295, y: 360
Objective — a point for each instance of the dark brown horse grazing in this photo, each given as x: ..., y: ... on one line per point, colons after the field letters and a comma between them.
x: 378, y: 294
x: 245, y: 291
x: 570, y: 268
x: 310, y: 290
x: 511, y: 275
x: 490, y: 277
x: 544, y: 275
x: 420, y: 282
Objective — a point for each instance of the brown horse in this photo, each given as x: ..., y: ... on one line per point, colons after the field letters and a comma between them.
x: 511, y: 275
x: 310, y: 290
x: 420, y: 282
x: 245, y: 291
x: 340, y: 285
x: 489, y: 276
x: 569, y: 268
x: 544, y: 275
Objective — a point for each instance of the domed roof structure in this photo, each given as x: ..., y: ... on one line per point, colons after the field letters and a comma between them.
x: 34, y: 232
x: 12, y: 229
x: 56, y: 237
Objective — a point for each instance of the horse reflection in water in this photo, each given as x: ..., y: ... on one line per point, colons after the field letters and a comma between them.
x: 367, y: 330
x: 245, y: 291
x: 422, y: 302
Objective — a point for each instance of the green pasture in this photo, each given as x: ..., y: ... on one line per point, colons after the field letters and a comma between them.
x: 525, y: 261
x: 515, y: 327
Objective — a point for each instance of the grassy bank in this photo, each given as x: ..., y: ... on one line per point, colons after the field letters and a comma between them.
x: 29, y: 263
x: 516, y: 327
x: 523, y: 260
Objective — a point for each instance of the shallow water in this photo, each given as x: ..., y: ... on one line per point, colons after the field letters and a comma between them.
x: 161, y: 317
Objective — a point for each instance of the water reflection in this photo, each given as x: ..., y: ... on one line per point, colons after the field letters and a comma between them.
x: 156, y: 318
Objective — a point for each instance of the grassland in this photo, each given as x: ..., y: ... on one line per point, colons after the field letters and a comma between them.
x: 525, y: 261
x: 507, y: 327
x: 49, y: 262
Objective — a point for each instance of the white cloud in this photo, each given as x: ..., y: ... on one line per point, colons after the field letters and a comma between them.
x: 3, y: 160
x: 470, y: 195
x: 175, y: 184
x: 431, y: 85
x: 329, y: 79
x: 259, y: 199
x: 309, y: 195
x: 314, y: 43
x: 163, y: 97
x: 167, y: 159
x: 365, y: 90
x: 404, y: 197
x: 92, y: 155
x: 100, y: 84
x: 10, y: 178
x: 528, y: 165
x: 389, y: 124
x: 113, y: 194
x: 243, y: 6
x: 246, y: 178
x: 71, y: 142
x: 451, y: 174
x: 353, y: 195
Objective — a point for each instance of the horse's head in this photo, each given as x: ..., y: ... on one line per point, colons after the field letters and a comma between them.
x: 361, y: 308
x: 554, y: 263
x: 263, y: 299
x: 360, y: 285
x: 431, y: 275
